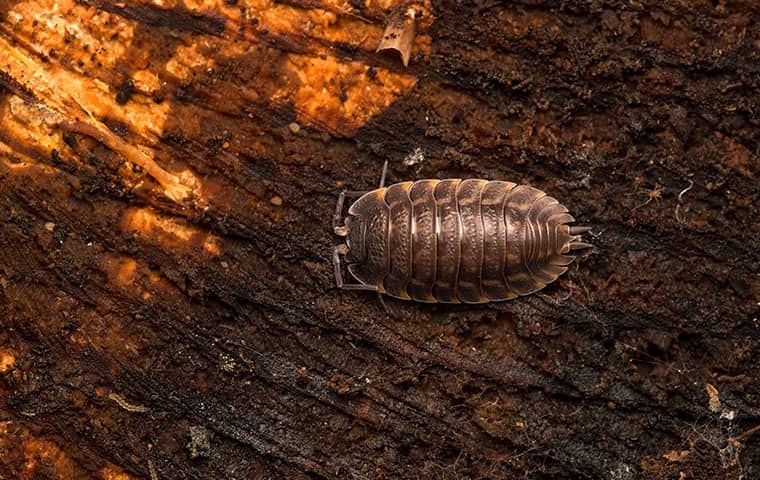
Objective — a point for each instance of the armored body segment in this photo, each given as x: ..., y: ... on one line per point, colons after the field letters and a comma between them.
x: 492, y: 281
x: 424, y: 240
x: 449, y: 247
x: 399, y: 240
x: 471, y: 241
x: 456, y: 241
x: 544, y: 235
x: 519, y: 225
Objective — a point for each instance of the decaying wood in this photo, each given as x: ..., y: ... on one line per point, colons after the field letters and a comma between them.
x: 399, y: 33
x: 168, y: 171
x: 401, y: 26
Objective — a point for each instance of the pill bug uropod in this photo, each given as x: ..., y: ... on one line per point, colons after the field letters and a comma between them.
x: 454, y: 240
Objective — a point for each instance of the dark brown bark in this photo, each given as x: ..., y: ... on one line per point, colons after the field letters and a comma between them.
x: 137, y: 324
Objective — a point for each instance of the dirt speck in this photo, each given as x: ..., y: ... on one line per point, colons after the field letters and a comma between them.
x: 199, y: 445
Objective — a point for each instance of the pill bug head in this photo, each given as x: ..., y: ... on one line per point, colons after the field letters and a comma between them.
x: 355, y: 239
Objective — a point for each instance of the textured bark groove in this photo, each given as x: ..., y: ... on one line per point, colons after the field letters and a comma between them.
x: 167, y: 303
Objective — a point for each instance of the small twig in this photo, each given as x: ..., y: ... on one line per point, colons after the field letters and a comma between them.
x: 488, y: 6
x: 351, y: 13
x: 680, y: 200
x: 680, y: 195
x: 746, y: 434
x: 152, y: 469
x: 123, y: 403
x: 174, y: 188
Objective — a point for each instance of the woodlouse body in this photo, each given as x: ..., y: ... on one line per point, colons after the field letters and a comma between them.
x: 455, y: 240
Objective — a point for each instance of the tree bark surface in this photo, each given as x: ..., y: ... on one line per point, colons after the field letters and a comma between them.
x: 168, y: 173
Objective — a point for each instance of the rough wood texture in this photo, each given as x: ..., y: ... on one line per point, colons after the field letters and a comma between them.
x: 167, y: 178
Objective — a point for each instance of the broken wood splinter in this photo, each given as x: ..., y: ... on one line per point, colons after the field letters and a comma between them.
x: 174, y: 187
x: 399, y: 33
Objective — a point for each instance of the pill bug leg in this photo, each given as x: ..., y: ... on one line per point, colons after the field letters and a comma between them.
x: 386, y: 308
x: 342, y: 250
x: 339, y: 226
x: 382, y: 175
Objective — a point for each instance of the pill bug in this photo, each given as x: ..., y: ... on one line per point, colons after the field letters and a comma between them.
x: 454, y: 240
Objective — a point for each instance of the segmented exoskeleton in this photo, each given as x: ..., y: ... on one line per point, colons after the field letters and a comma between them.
x: 455, y: 240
